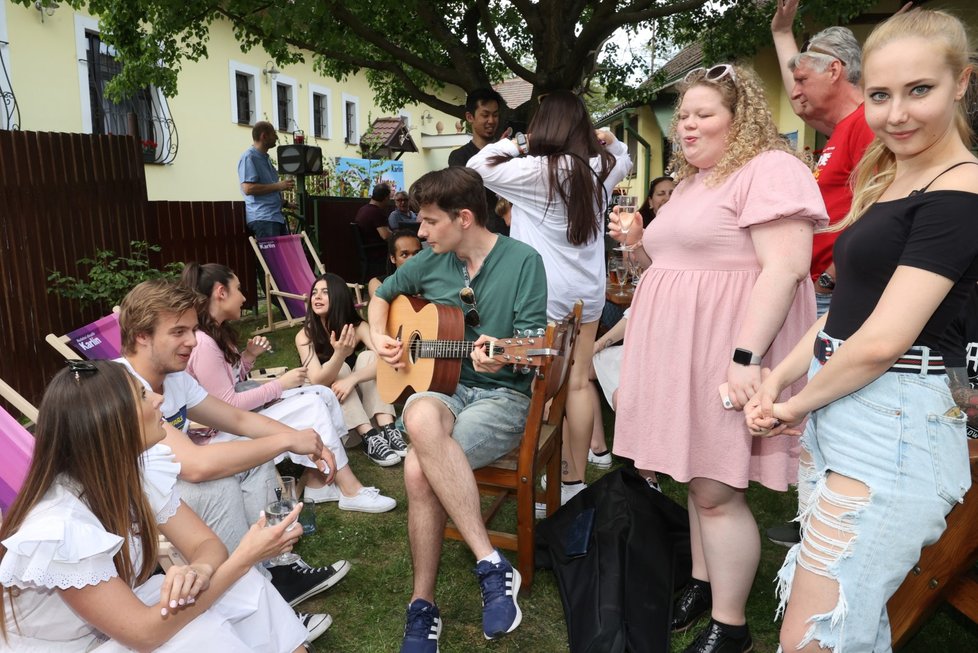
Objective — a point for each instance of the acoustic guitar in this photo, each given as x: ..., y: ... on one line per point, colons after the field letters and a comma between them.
x: 434, y: 349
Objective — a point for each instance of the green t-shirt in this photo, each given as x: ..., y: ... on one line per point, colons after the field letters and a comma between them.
x: 510, y: 294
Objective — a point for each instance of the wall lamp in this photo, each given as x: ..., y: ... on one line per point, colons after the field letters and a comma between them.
x: 270, y: 71
x: 46, y: 7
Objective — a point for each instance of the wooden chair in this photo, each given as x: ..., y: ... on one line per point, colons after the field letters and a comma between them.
x: 289, y: 277
x: 513, y: 476
x: 945, y: 571
x: 99, y: 340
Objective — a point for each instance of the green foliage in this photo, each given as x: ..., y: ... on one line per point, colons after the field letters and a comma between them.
x: 412, y: 50
x: 110, y: 277
x: 728, y: 29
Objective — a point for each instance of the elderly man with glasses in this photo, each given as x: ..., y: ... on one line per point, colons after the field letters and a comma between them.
x: 823, y: 84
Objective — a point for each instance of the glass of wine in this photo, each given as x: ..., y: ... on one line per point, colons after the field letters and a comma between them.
x: 627, y: 210
x: 617, y: 273
x: 280, y: 501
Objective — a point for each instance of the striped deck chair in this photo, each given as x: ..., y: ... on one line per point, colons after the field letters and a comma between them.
x: 99, y: 340
x: 17, y: 445
x: 288, y: 276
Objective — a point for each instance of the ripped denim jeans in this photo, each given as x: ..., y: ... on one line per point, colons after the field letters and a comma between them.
x: 910, y: 458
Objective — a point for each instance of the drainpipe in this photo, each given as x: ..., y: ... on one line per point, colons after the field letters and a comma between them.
x: 648, y: 150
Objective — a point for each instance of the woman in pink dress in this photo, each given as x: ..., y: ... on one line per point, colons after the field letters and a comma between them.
x: 727, y: 291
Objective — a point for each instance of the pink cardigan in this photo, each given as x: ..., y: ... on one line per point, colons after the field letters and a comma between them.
x: 208, y: 366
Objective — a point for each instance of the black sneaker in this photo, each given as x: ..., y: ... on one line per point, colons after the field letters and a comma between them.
x: 298, y: 581
x: 315, y: 624
x: 378, y: 450
x: 715, y: 639
x: 395, y: 440
x: 694, y: 602
x: 785, y: 534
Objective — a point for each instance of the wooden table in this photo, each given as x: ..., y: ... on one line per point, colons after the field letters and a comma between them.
x: 611, y: 294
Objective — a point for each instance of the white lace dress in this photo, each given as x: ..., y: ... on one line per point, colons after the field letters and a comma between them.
x: 62, y: 544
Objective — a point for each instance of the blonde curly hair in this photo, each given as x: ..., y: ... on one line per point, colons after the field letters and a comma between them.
x: 752, y: 129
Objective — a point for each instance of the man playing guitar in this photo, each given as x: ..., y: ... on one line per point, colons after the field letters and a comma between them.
x: 500, y: 286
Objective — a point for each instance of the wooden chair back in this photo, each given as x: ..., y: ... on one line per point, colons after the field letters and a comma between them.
x: 945, y: 572
x: 100, y: 340
x: 513, y: 476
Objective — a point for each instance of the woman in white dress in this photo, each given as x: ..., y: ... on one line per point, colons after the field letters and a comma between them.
x: 78, y: 547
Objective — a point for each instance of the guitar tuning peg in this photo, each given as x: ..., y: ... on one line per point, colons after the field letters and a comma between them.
x: 540, y: 331
x: 525, y: 369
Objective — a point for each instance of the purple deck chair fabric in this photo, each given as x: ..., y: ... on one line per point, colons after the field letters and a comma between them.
x: 17, y: 446
x: 100, y: 340
x: 286, y: 260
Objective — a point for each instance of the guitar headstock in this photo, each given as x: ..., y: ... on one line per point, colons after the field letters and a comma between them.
x: 524, y: 351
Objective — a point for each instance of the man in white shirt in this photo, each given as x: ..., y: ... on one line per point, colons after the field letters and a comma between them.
x: 222, y: 480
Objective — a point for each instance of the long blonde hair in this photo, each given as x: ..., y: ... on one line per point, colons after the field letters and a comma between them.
x: 752, y: 129
x: 877, y: 168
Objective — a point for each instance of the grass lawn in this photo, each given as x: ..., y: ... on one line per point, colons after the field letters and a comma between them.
x: 368, y: 606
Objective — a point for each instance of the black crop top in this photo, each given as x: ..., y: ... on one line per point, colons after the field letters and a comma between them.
x: 935, y: 231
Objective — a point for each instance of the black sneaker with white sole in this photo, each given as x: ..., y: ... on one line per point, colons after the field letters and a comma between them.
x: 395, y: 439
x: 377, y: 449
x: 298, y: 581
x: 315, y: 624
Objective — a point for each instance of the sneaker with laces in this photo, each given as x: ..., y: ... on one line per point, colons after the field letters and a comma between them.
x: 422, y: 629
x: 315, y: 624
x: 395, y: 440
x: 298, y: 581
x: 567, y: 492
x: 601, y: 461
x: 716, y: 639
x: 368, y: 499
x: 324, y: 494
x: 378, y: 450
x: 500, y: 584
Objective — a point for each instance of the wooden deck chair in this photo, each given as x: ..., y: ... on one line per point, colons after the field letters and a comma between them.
x: 945, y: 572
x: 513, y: 476
x: 17, y: 445
x: 288, y: 276
x: 100, y: 340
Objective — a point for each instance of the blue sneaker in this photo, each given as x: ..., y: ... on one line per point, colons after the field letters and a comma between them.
x: 422, y: 629
x: 500, y: 585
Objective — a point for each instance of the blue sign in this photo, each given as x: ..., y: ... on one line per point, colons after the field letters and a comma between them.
x: 357, y: 177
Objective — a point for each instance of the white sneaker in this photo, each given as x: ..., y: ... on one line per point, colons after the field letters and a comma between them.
x: 324, y: 494
x: 368, y: 499
x: 601, y: 462
x: 315, y: 624
x: 567, y: 492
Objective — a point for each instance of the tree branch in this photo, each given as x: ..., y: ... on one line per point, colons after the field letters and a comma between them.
x: 489, y: 27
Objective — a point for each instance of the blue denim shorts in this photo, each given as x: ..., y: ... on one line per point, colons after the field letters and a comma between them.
x: 488, y: 423
x: 902, y: 436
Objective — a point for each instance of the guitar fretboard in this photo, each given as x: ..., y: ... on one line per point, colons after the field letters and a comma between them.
x: 444, y: 348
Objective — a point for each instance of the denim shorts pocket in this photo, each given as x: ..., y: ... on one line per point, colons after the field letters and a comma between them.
x: 949, y: 455
x: 869, y: 396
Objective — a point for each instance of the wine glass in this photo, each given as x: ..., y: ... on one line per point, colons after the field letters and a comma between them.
x: 617, y: 272
x: 627, y: 210
x: 281, y: 499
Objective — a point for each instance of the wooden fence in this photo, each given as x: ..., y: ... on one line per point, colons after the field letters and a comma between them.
x: 64, y: 196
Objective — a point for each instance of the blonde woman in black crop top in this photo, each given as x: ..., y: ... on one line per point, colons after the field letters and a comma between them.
x: 887, y: 441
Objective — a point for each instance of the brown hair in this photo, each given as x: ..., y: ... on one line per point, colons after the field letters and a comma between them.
x: 89, y: 433
x: 202, y: 278
x: 145, y: 304
x: 451, y: 190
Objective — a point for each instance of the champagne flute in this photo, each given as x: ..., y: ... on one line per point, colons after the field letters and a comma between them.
x: 281, y: 500
x: 617, y: 272
x: 627, y: 210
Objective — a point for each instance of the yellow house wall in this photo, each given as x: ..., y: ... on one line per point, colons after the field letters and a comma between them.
x: 45, y: 77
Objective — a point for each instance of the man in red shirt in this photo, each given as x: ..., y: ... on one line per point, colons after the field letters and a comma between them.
x: 824, y: 89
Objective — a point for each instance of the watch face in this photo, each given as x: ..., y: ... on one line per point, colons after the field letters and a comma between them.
x: 742, y: 356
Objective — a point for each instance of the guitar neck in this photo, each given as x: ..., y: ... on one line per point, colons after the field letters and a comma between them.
x: 445, y: 348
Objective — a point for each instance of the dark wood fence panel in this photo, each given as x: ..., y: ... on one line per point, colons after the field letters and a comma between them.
x: 64, y: 196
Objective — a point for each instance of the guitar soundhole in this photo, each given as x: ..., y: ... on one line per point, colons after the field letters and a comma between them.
x: 414, y: 347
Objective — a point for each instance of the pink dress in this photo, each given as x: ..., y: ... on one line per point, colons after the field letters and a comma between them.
x: 685, y: 316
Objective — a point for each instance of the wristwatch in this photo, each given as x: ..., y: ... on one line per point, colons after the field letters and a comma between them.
x: 745, y: 357
x: 826, y: 281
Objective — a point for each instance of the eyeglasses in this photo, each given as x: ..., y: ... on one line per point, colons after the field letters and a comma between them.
x: 467, y: 295
x: 81, y: 367
x: 714, y: 74
x: 808, y: 47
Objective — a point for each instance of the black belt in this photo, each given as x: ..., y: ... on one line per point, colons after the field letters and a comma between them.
x: 916, y: 360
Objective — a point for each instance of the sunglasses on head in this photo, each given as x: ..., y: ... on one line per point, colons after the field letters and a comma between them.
x: 81, y: 367
x: 467, y: 295
x: 714, y: 74
x: 808, y: 47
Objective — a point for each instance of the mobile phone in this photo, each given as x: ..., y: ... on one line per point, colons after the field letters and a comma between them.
x: 724, y: 390
x: 522, y: 143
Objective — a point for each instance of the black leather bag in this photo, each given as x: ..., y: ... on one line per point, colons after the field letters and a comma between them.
x: 618, y: 549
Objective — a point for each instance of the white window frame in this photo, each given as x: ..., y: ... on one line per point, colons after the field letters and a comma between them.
x: 5, y: 56
x: 235, y: 67
x: 285, y: 80
x: 355, y: 139
x: 315, y: 89
x: 83, y: 25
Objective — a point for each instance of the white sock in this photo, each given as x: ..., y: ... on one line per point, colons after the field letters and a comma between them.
x: 493, y: 558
